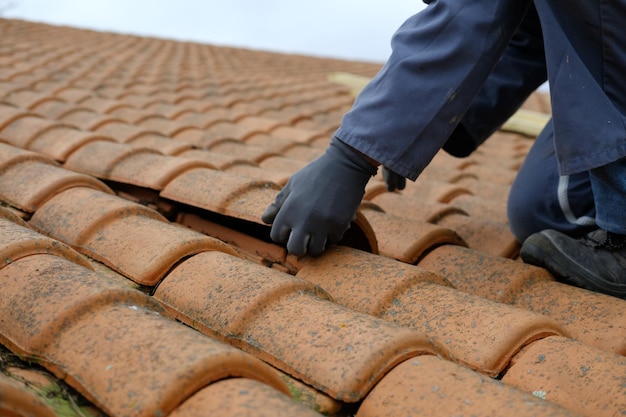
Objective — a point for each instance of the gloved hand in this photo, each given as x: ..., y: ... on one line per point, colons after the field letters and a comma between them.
x: 393, y: 180
x: 319, y: 201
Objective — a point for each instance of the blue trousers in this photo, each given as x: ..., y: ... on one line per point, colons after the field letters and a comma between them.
x: 459, y: 69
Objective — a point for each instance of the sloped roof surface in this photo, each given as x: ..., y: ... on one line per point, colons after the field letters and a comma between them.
x: 139, y: 280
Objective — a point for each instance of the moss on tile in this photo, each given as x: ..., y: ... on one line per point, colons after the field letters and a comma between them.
x: 53, y: 392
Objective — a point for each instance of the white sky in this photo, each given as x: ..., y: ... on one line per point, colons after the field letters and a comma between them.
x: 347, y: 29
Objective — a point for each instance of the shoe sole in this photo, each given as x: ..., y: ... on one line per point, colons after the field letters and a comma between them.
x: 534, y: 253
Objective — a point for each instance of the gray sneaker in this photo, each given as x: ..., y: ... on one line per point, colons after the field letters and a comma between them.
x: 596, y: 262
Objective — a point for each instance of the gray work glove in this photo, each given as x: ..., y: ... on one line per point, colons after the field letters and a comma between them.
x: 319, y: 201
x: 393, y: 180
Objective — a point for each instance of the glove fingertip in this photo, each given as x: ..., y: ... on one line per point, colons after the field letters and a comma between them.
x: 269, y: 214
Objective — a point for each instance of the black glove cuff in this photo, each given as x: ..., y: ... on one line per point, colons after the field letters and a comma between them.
x: 337, y: 147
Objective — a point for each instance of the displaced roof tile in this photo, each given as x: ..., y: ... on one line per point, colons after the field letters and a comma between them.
x: 109, y: 229
x: 230, y: 194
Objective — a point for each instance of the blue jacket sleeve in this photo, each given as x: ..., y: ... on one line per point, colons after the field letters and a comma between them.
x: 441, y: 57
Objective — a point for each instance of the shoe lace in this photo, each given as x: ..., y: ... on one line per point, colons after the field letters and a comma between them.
x: 605, y: 240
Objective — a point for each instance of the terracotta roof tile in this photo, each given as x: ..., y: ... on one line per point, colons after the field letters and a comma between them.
x: 20, y: 241
x: 406, y: 240
x: 229, y: 194
x: 565, y: 372
x: 129, y: 164
x: 241, y: 397
x: 424, y: 301
x: 27, y: 185
x: 534, y: 288
x: 17, y: 400
x: 95, y: 327
x: 23, y: 130
x: 448, y: 389
x: 103, y: 224
x: 483, y: 235
x: 265, y: 312
x: 60, y: 141
x: 414, y: 208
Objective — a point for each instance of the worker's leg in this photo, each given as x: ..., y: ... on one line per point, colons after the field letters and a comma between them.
x: 541, y: 199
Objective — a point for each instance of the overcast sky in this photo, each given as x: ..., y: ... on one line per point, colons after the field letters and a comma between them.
x: 348, y: 29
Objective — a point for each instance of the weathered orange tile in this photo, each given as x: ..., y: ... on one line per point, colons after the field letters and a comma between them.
x: 491, y: 173
x: 130, y: 165
x: 128, y: 114
x: 479, y: 333
x: 429, y: 386
x: 18, y: 401
x: 405, y: 239
x: 483, y: 235
x: 484, y: 189
x: 492, y: 277
x: 122, y: 341
x: 297, y: 134
x: 73, y: 94
x: 243, y: 151
x: 10, y: 113
x: 228, y: 130
x: 52, y: 108
x: 25, y: 98
x: 22, y: 131
x: 109, y: 342
x: 216, y: 160
x: 160, y: 143
x: 122, y: 131
x: 414, y: 208
x: 241, y: 397
x: 252, y: 171
x: 578, y: 377
x: 60, y: 141
x: 41, y: 292
x: 162, y: 125
x: 109, y: 229
x: 596, y: 319
x: 100, y: 104
x: 11, y: 155
x: 481, y: 208
x: 84, y: 119
x: 205, y: 119
x: 283, y: 320
x: 302, y: 152
x: 229, y: 194
x: 261, y: 124
x: 281, y: 164
x: 28, y: 184
x: 436, y: 191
